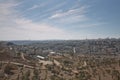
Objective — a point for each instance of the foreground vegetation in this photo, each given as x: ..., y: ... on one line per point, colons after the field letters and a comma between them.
x: 17, y: 65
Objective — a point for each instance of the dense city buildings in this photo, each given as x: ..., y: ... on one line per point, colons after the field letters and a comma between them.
x: 97, y: 59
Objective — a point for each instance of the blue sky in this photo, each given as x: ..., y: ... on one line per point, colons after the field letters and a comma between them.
x: 59, y: 19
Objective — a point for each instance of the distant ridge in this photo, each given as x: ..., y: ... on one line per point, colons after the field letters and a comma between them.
x: 27, y: 42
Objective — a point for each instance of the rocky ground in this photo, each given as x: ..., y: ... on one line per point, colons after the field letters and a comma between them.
x: 59, y: 67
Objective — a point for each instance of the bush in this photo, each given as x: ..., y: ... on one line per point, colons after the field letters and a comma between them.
x: 8, y: 68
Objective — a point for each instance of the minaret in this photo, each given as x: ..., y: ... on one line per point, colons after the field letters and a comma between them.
x: 74, y: 51
x: 87, y: 44
x: 85, y: 64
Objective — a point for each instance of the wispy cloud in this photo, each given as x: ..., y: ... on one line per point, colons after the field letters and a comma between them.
x: 71, y: 15
x: 41, y: 5
x: 36, y: 27
x: 44, y: 20
x: 4, y: 8
x: 49, y: 10
x: 34, y: 7
x: 7, y: 13
x: 71, y: 12
x: 14, y: 25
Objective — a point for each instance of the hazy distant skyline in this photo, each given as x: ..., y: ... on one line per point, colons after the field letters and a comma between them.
x: 59, y: 19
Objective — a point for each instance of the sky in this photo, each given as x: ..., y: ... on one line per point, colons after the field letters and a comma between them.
x: 59, y: 19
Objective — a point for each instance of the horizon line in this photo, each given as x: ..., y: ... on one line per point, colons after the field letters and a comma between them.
x: 61, y: 39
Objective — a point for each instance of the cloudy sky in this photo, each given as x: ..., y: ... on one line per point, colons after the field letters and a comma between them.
x: 59, y: 19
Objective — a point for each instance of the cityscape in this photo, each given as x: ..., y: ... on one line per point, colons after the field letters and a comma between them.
x: 59, y: 39
x: 97, y: 59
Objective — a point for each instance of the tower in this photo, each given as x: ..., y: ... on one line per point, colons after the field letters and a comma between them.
x: 74, y: 50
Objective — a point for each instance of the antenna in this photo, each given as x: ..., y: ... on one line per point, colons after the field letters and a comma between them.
x: 86, y: 37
